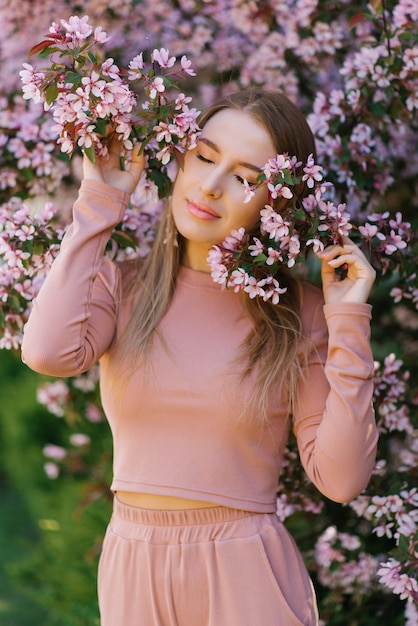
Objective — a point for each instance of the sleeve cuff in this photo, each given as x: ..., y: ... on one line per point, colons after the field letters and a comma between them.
x: 363, y: 309
x: 105, y: 190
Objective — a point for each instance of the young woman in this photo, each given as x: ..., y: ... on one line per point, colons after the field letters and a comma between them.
x: 201, y: 385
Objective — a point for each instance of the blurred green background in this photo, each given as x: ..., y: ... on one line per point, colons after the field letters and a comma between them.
x: 49, y: 545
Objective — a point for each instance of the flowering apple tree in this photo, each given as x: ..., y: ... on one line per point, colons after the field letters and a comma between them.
x: 352, y: 67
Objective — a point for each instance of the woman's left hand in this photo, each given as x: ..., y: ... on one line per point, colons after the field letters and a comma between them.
x: 359, y: 274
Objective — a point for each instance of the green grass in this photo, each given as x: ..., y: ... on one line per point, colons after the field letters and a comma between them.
x: 48, y: 547
x: 18, y: 536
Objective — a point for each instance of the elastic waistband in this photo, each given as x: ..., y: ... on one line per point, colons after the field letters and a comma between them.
x: 184, y: 517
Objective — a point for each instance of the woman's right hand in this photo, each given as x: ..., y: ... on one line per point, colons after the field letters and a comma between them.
x: 108, y: 170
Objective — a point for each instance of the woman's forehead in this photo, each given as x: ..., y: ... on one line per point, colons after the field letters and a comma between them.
x: 234, y: 131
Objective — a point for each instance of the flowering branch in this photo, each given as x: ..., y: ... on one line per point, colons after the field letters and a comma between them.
x: 30, y: 242
x: 245, y: 262
x: 94, y: 101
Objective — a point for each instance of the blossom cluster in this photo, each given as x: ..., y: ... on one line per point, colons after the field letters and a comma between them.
x: 94, y: 101
x: 345, y: 560
x: 290, y: 226
x: 342, y: 562
x: 393, y: 513
x: 69, y: 399
x: 362, y: 122
x: 28, y: 245
x: 295, y: 492
x: 249, y: 263
x: 29, y: 242
x: 390, y: 389
x: 28, y: 159
x: 395, y: 516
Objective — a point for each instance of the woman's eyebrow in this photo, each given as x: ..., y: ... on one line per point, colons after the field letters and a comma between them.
x: 214, y: 147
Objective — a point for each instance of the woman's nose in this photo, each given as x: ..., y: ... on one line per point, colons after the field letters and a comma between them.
x: 212, y: 185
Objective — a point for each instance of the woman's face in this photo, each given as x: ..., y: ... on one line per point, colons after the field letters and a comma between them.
x: 208, y: 195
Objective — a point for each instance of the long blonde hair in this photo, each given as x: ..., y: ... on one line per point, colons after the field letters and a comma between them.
x: 271, y: 348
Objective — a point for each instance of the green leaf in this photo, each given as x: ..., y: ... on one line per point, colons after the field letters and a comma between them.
x: 74, y: 53
x: 378, y: 109
x: 39, y: 248
x: 300, y: 215
x: 90, y: 154
x: 92, y: 58
x: 14, y: 303
x: 73, y: 77
x: 169, y: 82
x: 46, y: 52
x: 100, y: 127
x: 51, y: 93
x: 27, y: 173
x: 403, y: 544
x: 163, y: 111
x: 162, y: 181
x: 124, y: 239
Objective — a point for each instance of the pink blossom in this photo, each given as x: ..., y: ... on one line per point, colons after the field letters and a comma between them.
x: 254, y: 287
x: 51, y: 470
x: 401, y: 584
x: 273, y: 291
x: 94, y: 414
x: 186, y: 66
x: 135, y: 67
x: 79, y: 440
x: 238, y: 279
x: 162, y: 58
x: 78, y: 28
x: 235, y: 239
x: 391, y: 243
x: 182, y: 101
x: 405, y: 11
x: 284, y: 508
x: 316, y: 244
x: 279, y: 191
x: 109, y: 68
x: 54, y: 396
x: 165, y: 132
x: 274, y: 165
x: 100, y: 35
x: 273, y: 256
x: 92, y: 84
x: 32, y: 82
x: 157, y: 86
x: 273, y: 223
x: 249, y: 191
x: 312, y: 172
x: 368, y: 231
x: 293, y: 246
x: 219, y: 273
x: 256, y: 248
x: 164, y: 155
x: 58, y: 453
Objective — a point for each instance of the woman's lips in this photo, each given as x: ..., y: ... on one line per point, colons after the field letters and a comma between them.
x: 201, y: 210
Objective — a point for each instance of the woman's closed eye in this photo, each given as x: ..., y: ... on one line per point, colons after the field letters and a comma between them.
x: 202, y: 158
x: 245, y: 182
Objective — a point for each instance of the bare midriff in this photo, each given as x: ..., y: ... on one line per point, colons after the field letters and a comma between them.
x: 160, y: 503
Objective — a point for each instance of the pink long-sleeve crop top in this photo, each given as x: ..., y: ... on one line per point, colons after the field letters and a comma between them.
x: 177, y: 429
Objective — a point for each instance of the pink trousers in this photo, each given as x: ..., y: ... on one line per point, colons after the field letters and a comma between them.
x: 202, y: 567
